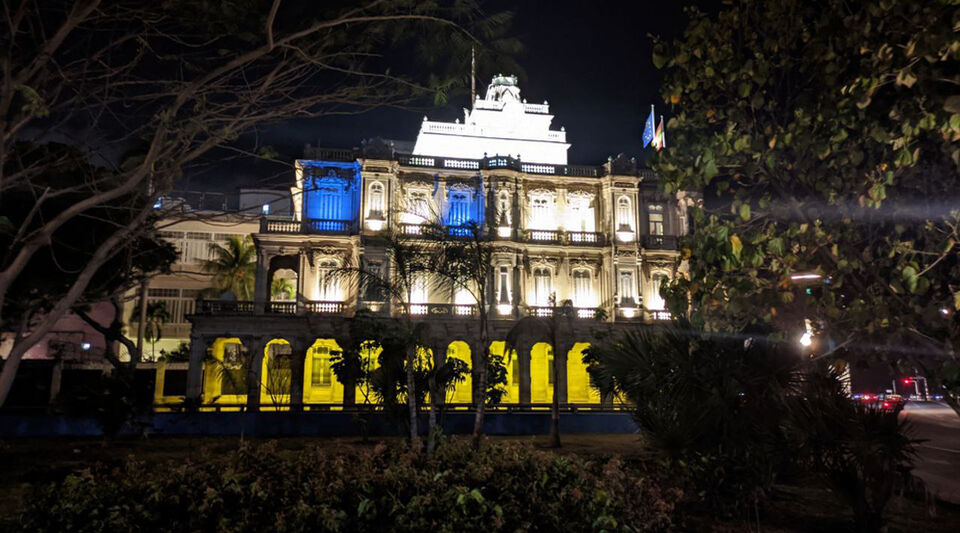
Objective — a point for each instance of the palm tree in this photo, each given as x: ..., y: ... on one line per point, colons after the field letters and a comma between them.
x: 466, y: 264
x: 233, y: 266
x: 157, y: 316
x: 282, y: 289
x: 549, y: 328
x: 409, y: 263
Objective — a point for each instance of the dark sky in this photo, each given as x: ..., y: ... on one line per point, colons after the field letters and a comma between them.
x: 589, y: 59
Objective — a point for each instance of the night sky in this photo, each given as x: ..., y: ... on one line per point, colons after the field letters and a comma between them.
x: 589, y: 60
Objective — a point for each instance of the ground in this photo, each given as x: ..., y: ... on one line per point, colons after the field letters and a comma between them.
x: 801, y: 507
x: 939, y: 462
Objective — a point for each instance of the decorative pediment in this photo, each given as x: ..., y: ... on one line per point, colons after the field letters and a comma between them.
x: 541, y: 193
x: 418, y: 184
x: 460, y: 186
x: 543, y: 260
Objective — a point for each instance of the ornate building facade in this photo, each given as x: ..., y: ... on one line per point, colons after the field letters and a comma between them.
x: 602, y: 238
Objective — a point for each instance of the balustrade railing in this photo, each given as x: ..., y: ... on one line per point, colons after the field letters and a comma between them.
x: 216, y: 307
x: 589, y: 238
x: 659, y: 316
x: 495, y: 162
x: 324, y: 307
x: 540, y: 235
x: 411, y: 229
x: 282, y: 308
x: 340, y: 227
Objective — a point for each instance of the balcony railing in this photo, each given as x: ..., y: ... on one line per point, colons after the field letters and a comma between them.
x: 504, y: 162
x: 220, y: 307
x: 660, y: 242
x: 659, y: 316
x: 576, y: 312
x: 443, y: 310
x: 282, y: 308
x: 315, y: 226
x: 585, y: 238
x: 324, y: 307
x: 540, y: 235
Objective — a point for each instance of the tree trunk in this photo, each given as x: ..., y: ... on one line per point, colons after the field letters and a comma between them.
x: 412, y: 394
x: 555, y: 402
x: 481, y: 399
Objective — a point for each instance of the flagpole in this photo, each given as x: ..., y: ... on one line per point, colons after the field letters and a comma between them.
x: 663, y: 133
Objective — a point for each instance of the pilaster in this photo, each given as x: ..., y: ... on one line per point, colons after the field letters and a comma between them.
x: 198, y: 350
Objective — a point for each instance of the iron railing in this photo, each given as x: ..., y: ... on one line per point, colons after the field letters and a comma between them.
x: 660, y: 242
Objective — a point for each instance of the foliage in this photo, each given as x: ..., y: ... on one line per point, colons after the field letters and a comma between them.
x: 499, y: 488
x: 496, y: 380
x: 149, y: 90
x: 824, y: 136
x: 282, y: 289
x: 179, y: 354
x: 233, y: 266
x: 115, y: 400
x: 157, y: 316
x: 712, y: 404
x: 864, y: 453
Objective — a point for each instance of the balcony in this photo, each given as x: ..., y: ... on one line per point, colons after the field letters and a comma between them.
x: 585, y: 238
x: 660, y: 242
x: 443, y: 310
x: 544, y: 236
x: 311, y: 226
x: 497, y: 162
x: 221, y: 307
x: 584, y: 313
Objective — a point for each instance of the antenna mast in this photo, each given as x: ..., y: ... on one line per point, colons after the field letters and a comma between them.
x: 473, y: 75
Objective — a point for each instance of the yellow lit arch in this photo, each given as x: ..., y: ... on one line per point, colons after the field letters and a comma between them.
x: 579, y: 387
x: 463, y: 391
x: 276, y: 374
x: 225, y: 372
x: 320, y: 383
x: 541, y: 373
x: 513, y: 371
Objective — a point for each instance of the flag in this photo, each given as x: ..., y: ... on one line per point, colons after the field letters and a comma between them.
x: 648, y: 130
x: 659, y: 138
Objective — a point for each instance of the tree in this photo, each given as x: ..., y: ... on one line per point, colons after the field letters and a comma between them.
x: 463, y: 261
x: 824, y: 136
x: 233, y: 267
x: 549, y: 327
x: 157, y: 316
x: 148, y: 89
x: 282, y: 289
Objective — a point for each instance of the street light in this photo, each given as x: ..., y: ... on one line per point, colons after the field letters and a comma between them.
x: 806, y: 339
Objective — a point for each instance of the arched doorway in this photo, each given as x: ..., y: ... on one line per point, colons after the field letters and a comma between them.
x: 277, y: 372
x: 541, y: 373
x: 320, y: 382
x: 463, y: 391
x: 580, y: 387
x: 225, y: 372
x: 513, y: 371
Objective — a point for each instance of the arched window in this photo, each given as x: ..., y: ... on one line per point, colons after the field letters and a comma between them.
x: 329, y: 288
x: 624, y: 218
x: 542, y: 286
x: 579, y: 216
x: 582, y: 288
x: 503, y: 285
x: 417, y: 207
x: 322, y: 374
x: 656, y: 301
x: 418, y: 289
x: 459, y: 212
x: 627, y: 291
x: 541, y: 216
x: 375, y: 202
x: 655, y: 216
x: 503, y: 209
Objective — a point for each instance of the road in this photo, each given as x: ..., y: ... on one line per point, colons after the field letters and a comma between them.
x: 938, y: 463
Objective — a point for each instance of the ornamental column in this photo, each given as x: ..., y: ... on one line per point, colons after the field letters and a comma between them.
x: 256, y: 348
x: 260, y: 288
x: 198, y: 351
x: 523, y: 353
x: 560, y: 353
x: 298, y: 360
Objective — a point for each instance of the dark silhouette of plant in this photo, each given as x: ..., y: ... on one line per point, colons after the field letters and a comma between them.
x: 711, y: 403
x: 862, y: 451
x: 233, y: 266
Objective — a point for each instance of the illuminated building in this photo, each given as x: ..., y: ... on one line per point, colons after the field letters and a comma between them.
x: 601, y: 237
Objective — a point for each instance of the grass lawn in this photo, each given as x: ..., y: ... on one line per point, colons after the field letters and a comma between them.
x: 801, y: 507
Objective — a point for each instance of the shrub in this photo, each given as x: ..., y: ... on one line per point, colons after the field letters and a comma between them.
x: 711, y: 403
x: 863, y: 453
x: 258, y: 488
